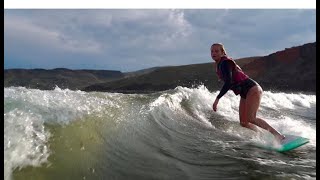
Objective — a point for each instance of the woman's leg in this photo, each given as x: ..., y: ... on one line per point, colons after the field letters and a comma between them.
x: 243, y: 116
x: 252, y: 104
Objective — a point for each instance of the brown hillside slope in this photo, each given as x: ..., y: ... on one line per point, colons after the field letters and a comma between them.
x: 292, y: 69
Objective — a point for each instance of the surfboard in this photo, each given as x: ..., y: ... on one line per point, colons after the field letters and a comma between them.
x: 289, y: 143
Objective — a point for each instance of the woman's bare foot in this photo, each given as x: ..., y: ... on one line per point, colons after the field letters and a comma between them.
x: 280, y: 137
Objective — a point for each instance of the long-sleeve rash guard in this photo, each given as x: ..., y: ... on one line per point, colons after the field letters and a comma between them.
x: 227, y: 78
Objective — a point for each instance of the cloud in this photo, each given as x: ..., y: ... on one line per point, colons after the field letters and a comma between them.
x: 23, y: 32
x: 256, y: 32
x: 135, y: 39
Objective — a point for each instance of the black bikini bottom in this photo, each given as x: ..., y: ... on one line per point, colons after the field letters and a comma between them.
x: 245, y: 86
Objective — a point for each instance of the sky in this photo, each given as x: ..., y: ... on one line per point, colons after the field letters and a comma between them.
x: 134, y: 39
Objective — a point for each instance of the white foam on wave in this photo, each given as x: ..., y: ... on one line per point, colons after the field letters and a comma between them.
x: 287, y: 125
x: 25, y: 136
x: 200, y: 102
x: 26, y: 112
x: 280, y: 102
x: 196, y: 99
x: 287, y: 100
x: 60, y: 106
x: 24, y: 141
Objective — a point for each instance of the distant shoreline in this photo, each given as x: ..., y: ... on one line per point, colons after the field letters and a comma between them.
x: 289, y: 70
x: 288, y: 91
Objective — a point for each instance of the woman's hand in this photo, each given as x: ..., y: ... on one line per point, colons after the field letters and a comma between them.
x: 215, y: 104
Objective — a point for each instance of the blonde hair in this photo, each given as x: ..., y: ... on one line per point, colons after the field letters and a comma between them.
x: 221, y: 46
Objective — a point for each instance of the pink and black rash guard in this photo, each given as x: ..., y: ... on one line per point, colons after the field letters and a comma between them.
x: 234, y: 78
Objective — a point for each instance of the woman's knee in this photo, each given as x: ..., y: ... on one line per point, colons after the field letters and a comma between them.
x: 251, y: 117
